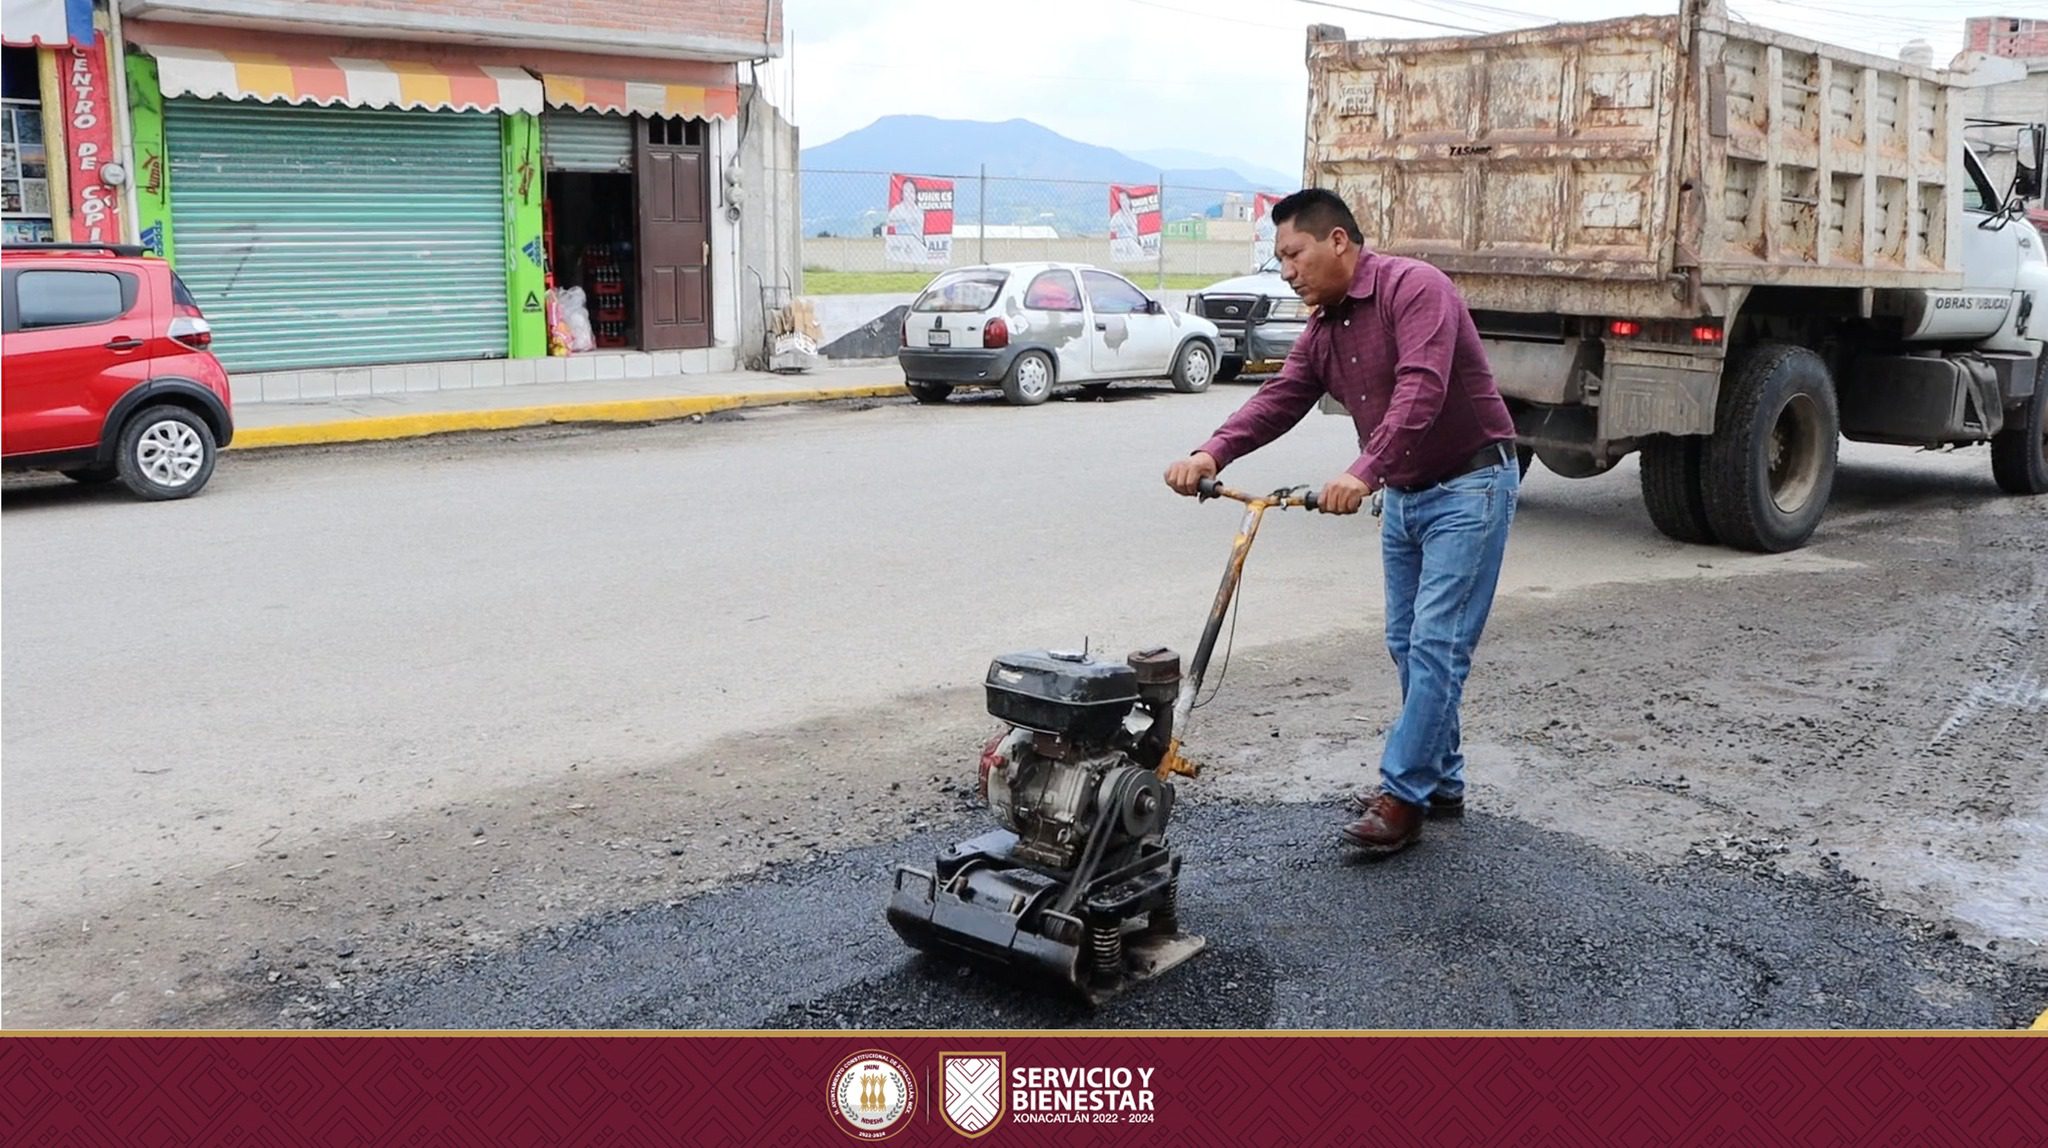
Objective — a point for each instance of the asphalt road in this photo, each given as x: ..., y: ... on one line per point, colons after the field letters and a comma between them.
x: 322, y: 630
x: 258, y: 746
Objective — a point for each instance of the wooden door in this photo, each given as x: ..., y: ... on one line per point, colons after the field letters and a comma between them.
x: 675, y: 233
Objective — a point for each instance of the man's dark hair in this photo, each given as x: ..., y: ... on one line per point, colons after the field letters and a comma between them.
x: 1317, y: 211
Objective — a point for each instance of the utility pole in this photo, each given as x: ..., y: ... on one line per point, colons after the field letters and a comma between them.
x: 1161, y: 285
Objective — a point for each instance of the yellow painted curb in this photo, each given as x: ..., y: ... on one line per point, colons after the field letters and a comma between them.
x: 510, y: 418
x: 2041, y: 1022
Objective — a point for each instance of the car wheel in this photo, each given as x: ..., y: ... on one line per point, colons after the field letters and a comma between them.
x: 929, y: 392
x: 166, y: 452
x: 1029, y: 382
x: 1194, y: 369
x: 92, y: 475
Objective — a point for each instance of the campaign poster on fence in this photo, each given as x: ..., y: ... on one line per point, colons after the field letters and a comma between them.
x: 919, y: 230
x: 1133, y: 223
x: 1262, y: 227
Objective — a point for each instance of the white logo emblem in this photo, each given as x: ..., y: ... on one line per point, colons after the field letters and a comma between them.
x: 971, y: 1090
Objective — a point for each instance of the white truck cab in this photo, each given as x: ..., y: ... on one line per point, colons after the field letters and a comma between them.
x: 2005, y: 268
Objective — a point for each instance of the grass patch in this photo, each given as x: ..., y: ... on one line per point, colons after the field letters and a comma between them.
x: 910, y: 282
x: 864, y: 282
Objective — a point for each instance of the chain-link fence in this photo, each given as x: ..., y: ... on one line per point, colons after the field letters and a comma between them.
x: 1203, y: 233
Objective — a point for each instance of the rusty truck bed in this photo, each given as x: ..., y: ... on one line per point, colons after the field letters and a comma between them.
x: 1625, y: 167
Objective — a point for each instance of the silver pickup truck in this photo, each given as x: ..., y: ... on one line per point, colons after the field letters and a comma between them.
x: 1257, y: 317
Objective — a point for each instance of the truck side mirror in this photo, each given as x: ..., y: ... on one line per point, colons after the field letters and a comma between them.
x: 2033, y: 150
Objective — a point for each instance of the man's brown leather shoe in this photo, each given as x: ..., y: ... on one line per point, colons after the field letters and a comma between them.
x: 1389, y: 826
x: 1440, y: 808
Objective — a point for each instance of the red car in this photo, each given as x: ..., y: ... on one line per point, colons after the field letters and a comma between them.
x: 105, y: 372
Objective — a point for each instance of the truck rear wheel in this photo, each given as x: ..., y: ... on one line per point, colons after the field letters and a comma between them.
x: 1671, y: 487
x: 1768, y: 470
x: 2019, y: 453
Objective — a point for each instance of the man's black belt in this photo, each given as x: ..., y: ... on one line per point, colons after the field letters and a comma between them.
x: 1492, y: 454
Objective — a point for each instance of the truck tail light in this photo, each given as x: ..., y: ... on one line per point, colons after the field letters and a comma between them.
x: 1706, y: 333
x: 995, y: 334
x: 1624, y: 328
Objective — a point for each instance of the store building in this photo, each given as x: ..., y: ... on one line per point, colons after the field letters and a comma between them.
x: 58, y: 119
x: 377, y: 194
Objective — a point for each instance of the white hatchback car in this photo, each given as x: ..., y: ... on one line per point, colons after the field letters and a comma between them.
x: 1028, y: 327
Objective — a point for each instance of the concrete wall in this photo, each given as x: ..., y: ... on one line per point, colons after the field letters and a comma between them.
x: 840, y: 314
x: 1183, y: 257
x: 769, y: 267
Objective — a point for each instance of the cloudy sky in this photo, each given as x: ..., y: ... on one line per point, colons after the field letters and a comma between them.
x: 1221, y: 76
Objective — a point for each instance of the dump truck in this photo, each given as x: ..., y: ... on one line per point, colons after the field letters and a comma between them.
x: 1710, y: 244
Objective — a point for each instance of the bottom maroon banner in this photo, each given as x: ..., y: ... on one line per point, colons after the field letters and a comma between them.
x: 920, y: 1088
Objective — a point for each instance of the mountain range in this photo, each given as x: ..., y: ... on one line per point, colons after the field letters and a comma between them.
x: 1179, y: 157
x: 1035, y: 175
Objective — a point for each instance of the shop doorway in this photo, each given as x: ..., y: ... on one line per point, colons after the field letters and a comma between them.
x: 592, y: 218
x: 628, y: 221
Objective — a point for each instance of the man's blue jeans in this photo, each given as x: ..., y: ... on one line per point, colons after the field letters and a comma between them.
x: 1442, y: 549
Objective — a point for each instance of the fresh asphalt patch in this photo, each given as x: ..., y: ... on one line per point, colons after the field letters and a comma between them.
x: 1487, y: 924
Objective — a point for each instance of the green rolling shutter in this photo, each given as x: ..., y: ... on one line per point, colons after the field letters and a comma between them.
x: 328, y: 237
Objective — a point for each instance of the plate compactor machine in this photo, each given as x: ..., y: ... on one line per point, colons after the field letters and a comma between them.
x: 1078, y: 884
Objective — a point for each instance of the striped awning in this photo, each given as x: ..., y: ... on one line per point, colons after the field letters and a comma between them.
x: 50, y: 23
x: 270, y: 77
x: 648, y: 99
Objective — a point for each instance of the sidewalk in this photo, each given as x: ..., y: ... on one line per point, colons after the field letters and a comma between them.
x: 366, y: 418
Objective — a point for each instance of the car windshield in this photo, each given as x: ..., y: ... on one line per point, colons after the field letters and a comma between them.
x: 972, y: 289
x: 1270, y: 267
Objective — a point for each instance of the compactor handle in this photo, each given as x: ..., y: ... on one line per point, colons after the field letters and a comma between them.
x: 1302, y: 496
